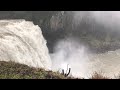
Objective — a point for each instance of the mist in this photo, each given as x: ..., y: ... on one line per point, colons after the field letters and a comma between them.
x: 109, y: 19
x: 70, y: 51
x: 73, y: 51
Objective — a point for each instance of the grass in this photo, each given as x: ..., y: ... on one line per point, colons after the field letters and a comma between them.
x: 98, y: 76
x: 11, y: 70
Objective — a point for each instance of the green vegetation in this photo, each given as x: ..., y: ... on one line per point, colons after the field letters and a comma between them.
x: 11, y: 70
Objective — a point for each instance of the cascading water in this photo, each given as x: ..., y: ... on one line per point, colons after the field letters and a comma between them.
x: 22, y: 42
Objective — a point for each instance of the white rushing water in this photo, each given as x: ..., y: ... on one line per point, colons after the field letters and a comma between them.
x: 22, y: 42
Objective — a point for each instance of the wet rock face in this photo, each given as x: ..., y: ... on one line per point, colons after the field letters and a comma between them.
x: 21, y: 41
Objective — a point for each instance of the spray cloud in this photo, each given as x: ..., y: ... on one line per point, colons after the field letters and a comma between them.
x: 110, y: 19
x: 73, y: 52
x: 70, y: 51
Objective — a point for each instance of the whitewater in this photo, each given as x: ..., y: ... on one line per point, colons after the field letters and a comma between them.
x: 22, y: 42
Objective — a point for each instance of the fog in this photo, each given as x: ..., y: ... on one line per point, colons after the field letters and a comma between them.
x: 75, y: 53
